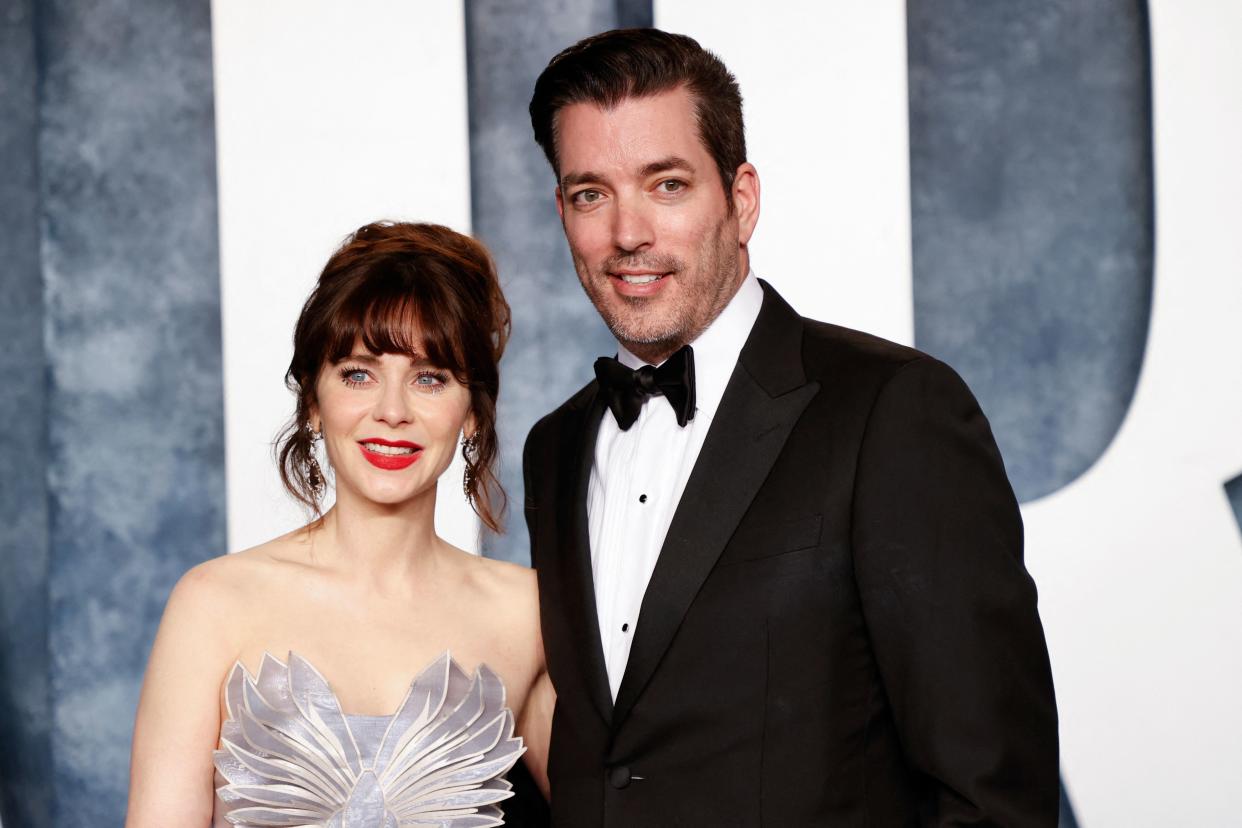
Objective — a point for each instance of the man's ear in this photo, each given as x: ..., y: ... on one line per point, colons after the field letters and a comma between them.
x: 560, y: 204
x: 746, y: 201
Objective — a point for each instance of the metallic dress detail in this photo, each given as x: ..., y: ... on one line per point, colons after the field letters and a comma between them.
x: 290, y: 757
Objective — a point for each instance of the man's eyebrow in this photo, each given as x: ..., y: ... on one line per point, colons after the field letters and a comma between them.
x: 588, y: 177
x: 672, y: 162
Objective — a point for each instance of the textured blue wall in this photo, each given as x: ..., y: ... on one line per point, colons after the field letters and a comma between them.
x: 132, y: 333
x: 25, y: 760
x: 1031, y: 191
x: 556, y: 333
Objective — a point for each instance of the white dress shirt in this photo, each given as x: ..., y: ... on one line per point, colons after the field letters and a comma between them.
x: 638, y: 476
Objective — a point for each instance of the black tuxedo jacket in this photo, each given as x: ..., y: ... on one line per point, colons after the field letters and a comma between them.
x: 839, y: 630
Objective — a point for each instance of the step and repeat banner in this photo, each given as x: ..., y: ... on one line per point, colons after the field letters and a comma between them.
x: 1045, y: 195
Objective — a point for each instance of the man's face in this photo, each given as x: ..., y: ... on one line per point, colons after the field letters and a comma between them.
x: 654, y: 242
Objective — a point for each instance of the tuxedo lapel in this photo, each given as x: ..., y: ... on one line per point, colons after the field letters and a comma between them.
x: 574, y: 558
x: 766, y: 395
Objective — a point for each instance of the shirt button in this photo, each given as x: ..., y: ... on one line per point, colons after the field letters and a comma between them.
x: 619, y: 777
x: 625, y: 627
x: 642, y: 498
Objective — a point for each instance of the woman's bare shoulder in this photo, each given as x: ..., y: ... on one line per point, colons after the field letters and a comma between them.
x: 220, y: 589
x: 291, y: 547
x: 502, y: 580
x: 510, y: 592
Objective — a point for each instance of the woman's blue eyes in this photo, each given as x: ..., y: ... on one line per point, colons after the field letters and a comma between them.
x: 357, y: 377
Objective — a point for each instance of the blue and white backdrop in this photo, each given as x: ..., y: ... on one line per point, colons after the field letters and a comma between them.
x: 1043, y: 194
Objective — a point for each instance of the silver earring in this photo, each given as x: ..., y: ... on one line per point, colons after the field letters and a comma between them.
x: 314, y: 474
x: 469, y: 448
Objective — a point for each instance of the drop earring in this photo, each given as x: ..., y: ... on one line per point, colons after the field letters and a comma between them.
x: 314, y: 474
x: 469, y: 450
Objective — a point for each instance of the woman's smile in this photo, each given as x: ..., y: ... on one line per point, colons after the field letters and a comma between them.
x: 390, y: 455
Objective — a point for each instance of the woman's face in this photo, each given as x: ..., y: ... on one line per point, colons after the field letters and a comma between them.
x: 390, y: 424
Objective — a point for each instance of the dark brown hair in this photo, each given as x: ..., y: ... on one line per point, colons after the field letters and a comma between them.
x: 606, y: 69
x: 415, y: 289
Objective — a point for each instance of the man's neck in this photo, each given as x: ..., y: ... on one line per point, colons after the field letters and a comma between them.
x: 654, y: 353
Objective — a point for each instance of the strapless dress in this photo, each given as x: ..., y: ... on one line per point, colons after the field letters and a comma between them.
x: 290, y: 757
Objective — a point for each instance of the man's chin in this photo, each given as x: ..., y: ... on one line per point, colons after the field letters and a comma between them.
x: 644, y: 336
x: 640, y: 320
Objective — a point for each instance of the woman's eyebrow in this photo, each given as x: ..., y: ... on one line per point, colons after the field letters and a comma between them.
x: 361, y: 356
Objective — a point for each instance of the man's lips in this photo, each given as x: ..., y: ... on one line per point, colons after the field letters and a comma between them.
x: 390, y: 455
x: 637, y: 282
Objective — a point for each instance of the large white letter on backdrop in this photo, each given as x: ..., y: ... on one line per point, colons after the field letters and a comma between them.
x: 328, y: 116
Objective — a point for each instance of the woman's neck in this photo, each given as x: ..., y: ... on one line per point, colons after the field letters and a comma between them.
x: 378, y: 546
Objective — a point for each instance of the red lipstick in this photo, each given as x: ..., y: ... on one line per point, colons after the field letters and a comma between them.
x: 390, y: 462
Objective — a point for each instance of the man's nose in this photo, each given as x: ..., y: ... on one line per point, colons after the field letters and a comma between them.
x: 633, y: 229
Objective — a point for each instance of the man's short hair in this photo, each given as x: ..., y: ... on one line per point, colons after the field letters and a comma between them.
x: 607, y: 68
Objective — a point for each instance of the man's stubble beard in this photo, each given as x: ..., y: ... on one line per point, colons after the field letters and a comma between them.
x: 704, y: 294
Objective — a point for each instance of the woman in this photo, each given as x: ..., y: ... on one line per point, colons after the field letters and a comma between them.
x: 317, y: 637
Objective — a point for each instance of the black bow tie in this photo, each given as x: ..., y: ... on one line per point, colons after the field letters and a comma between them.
x: 625, y: 390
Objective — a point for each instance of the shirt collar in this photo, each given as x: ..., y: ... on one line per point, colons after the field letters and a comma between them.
x: 717, y: 349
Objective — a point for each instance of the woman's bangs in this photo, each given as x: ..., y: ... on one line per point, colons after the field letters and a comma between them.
x: 392, y: 322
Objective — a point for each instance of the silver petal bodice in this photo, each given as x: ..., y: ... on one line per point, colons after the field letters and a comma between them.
x: 290, y: 757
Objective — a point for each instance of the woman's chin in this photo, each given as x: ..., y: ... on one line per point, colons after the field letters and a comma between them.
x: 388, y: 494
x: 387, y: 488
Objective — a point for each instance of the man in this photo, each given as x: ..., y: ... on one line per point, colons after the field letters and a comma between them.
x: 781, y: 570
